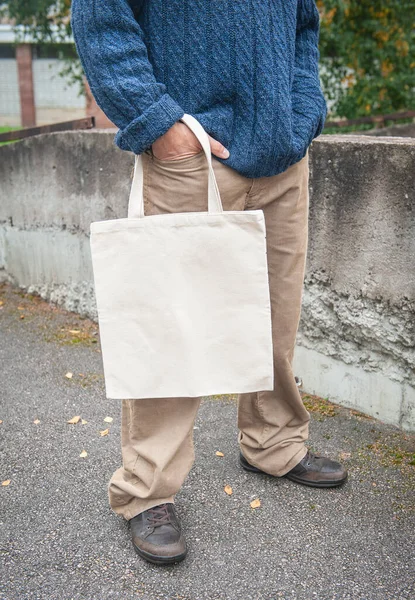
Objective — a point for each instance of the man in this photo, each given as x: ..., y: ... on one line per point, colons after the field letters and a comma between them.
x: 248, y: 71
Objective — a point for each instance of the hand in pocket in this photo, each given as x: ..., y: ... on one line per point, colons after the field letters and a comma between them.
x: 179, y: 142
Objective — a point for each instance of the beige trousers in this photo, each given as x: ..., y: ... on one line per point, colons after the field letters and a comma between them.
x: 157, y: 435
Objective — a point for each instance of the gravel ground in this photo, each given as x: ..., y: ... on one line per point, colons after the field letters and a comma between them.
x: 60, y: 540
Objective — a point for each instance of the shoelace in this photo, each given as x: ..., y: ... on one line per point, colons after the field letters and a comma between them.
x: 159, y: 515
x: 310, y: 456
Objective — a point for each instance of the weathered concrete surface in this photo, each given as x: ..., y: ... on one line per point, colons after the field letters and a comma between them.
x: 359, y: 300
x: 52, y: 188
x: 356, y: 387
x: 357, y: 335
x: 60, y: 541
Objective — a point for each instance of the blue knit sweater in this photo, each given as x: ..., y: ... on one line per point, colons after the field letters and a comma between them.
x: 246, y: 69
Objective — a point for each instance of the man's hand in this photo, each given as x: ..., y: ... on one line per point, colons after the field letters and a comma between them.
x: 179, y: 142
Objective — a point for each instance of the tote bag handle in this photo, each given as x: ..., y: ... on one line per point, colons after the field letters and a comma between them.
x: 136, y: 201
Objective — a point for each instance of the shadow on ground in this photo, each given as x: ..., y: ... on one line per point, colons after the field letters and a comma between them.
x: 59, y: 540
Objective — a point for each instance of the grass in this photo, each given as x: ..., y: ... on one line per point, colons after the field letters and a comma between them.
x: 5, y: 129
x: 320, y: 406
x: 71, y: 337
x: 54, y: 324
x: 392, y: 454
x: 357, y: 128
x: 353, y: 129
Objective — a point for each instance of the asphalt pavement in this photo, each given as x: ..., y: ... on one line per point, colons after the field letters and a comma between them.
x: 59, y: 539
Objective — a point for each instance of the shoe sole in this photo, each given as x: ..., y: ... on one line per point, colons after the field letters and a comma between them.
x: 315, y: 484
x: 160, y: 560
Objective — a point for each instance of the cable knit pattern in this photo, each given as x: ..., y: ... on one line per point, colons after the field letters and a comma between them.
x: 246, y: 69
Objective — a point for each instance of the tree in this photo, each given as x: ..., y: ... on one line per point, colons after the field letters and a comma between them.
x: 41, y: 21
x: 368, y: 55
x: 367, y: 49
x: 46, y: 22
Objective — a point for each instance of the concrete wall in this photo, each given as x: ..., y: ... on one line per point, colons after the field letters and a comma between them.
x: 51, y: 89
x: 9, y: 92
x: 357, y: 335
x: 356, y: 343
x: 52, y: 187
x: 55, y: 99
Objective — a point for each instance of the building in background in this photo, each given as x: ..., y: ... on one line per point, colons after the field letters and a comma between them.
x: 32, y: 88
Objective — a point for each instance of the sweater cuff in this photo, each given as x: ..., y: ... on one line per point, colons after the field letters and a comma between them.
x: 309, y: 114
x: 139, y: 135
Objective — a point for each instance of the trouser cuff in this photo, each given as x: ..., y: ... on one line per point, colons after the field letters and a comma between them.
x: 138, y: 505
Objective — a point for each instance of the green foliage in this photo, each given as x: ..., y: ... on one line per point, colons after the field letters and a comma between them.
x: 39, y: 20
x: 367, y: 49
x: 46, y: 22
x: 368, y: 55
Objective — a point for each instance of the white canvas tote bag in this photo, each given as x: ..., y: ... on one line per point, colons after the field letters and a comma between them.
x: 183, y: 299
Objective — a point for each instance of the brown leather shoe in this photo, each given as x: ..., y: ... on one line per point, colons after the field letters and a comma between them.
x: 312, y: 470
x: 157, y: 536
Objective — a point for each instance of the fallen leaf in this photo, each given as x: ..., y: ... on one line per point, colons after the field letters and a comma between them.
x: 228, y: 490
x: 74, y: 330
x: 256, y: 503
x: 22, y: 316
x: 83, y: 454
x: 69, y: 375
x: 83, y: 422
x: 108, y: 419
x: 36, y: 422
x: 74, y: 420
x: 219, y: 453
x: 1, y: 302
x: 20, y: 308
x: 7, y: 482
x: 104, y: 432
